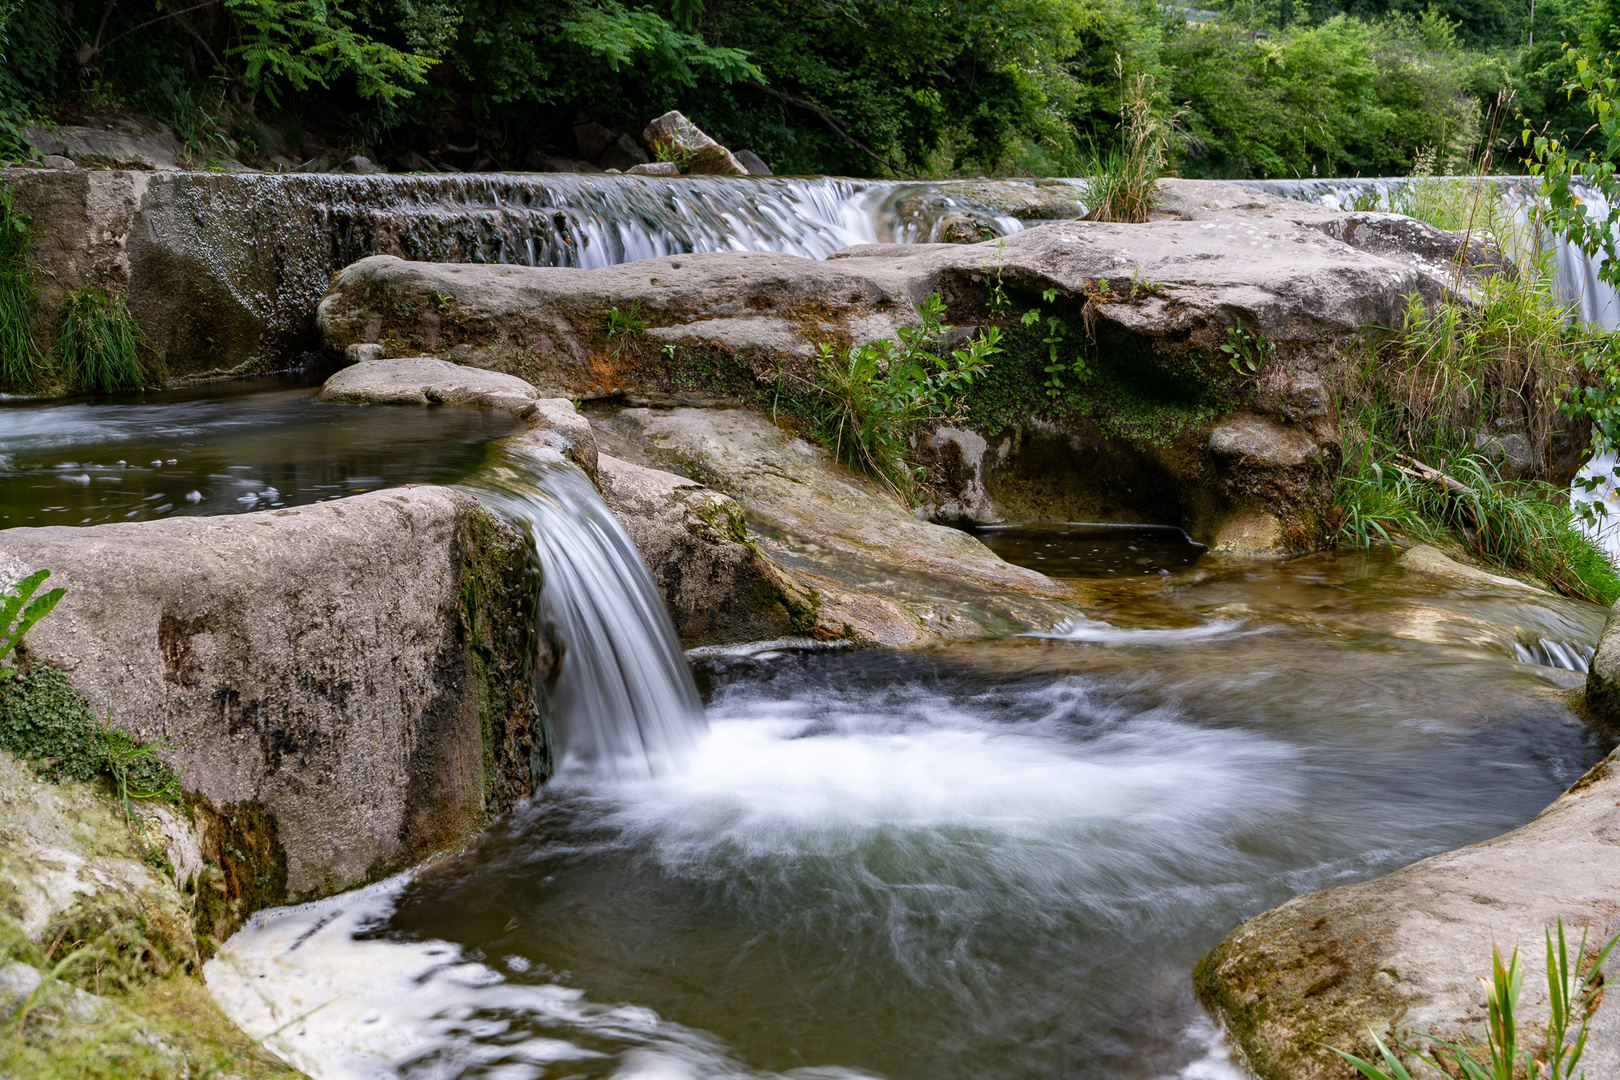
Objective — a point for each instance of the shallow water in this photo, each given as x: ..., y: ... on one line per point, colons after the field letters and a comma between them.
x: 222, y: 449
x: 994, y: 859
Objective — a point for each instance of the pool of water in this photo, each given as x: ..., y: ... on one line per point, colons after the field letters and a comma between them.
x: 996, y: 859
x: 222, y: 449
x: 1093, y: 551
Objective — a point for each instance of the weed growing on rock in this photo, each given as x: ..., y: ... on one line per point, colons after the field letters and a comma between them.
x: 99, y: 345
x: 866, y: 402
x: 1572, y: 983
x: 1120, y: 182
x: 21, y: 363
x: 20, y: 609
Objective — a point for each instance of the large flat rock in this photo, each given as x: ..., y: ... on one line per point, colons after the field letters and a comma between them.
x: 1221, y: 255
x: 1404, y: 953
x: 875, y: 570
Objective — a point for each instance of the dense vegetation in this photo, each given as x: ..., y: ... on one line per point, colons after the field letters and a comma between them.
x: 847, y: 86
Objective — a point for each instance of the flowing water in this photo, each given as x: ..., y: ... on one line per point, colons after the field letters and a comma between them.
x: 624, y: 704
x: 226, y: 448
x: 993, y: 859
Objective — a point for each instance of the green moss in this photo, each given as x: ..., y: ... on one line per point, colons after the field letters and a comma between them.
x: 46, y: 722
x: 500, y: 593
x: 245, y: 867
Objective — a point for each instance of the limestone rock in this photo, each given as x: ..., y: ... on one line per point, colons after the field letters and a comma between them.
x: 1303, y: 396
x: 877, y: 572
x: 351, y: 668
x: 57, y: 161
x: 1404, y: 953
x: 957, y: 455
x: 1510, y: 450
x: 1278, y: 276
x: 115, y: 144
x: 718, y: 587
x: 675, y: 137
x: 557, y: 426
x: 360, y: 166
x: 1425, y: 559
x: 1602, y: 697
x: 66, y: 857
x: 654, y: 168
x: 1257, y: 442
x: 422, y: 380
x: 753, y: 163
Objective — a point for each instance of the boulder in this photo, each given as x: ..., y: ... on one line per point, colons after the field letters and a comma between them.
x: 870, y: 570
x: 1425, y: 559
x: 654, y: 168
x: 1256, y: 442
x: 675, y: 138
x: 592, y: 139
x: 423, y: 380
x: 718, y: 586
x: 1279, y: 276
x: 359, y: 165
x: 351, y: 672
x: 622, y: 154
x: 753, y: 163
x: 112, y: 144
x: 57, y: 161
x: 1405, y: 953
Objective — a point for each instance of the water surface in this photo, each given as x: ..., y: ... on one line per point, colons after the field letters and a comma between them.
x: 225, y: 448
x: 995, y: 859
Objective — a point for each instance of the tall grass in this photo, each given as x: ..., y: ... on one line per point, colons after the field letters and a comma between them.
x: 1119, y: 184
x: 21, y: 364
x: 99, y: 346
x: 1528, y: 526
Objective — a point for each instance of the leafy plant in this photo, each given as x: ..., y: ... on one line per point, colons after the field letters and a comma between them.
x: 867, y: 402
x: 1570, y: 988
x: 20, y: 609
x: 1055, y: 368
x: 1246, y: 352
x: 99, y: 345
x: 628, y: 321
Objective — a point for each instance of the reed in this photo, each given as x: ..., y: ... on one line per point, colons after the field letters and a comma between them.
x: 1120, y: 182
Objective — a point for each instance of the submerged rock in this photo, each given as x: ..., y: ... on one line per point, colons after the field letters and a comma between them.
x: 1405, y: 953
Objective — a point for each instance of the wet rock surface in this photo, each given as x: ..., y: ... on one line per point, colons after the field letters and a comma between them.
x: 422, y: 380
x: 1404, y: 953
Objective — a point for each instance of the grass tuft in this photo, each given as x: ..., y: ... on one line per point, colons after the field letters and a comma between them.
x: 22, y: 365
x: 1120, y: 181
x: 100, y: 345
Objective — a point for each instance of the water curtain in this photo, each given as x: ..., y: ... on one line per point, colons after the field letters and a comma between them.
x: 623, y: 702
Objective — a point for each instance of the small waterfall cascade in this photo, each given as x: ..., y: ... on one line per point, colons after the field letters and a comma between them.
x: 623, y: 703
x: 1545, y: 652
x: 272, y: 242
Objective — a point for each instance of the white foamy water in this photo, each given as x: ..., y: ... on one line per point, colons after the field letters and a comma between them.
x: 1080, y: 628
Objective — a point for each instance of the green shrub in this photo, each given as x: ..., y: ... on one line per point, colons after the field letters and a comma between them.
x: 1527, y: 526
x: 99, y: 346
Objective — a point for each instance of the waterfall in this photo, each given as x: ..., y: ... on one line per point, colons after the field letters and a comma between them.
x: 623, y: 702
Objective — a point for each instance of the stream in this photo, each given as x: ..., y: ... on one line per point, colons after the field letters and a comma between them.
x: 990, y: 859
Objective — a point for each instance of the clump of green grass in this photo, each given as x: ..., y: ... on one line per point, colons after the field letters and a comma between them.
x: 1528, y: 526
x: 1573, y: 982
x: 99, y: 346
x: 21, y: 363
x: 1120, y: 181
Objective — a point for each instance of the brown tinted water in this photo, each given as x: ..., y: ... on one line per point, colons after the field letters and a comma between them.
x: 992, y: 859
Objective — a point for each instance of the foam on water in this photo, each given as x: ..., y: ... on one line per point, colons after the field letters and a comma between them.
x: 1080, y: 628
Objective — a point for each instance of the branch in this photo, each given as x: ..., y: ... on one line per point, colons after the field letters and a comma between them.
x: 87, y: 53
x: 828, y: 119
